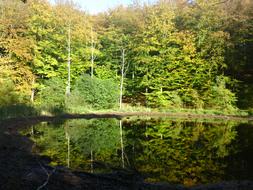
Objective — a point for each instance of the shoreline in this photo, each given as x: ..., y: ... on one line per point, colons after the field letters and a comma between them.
x: 120, y: 115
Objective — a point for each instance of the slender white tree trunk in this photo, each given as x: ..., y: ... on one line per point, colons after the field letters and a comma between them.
x: 69, y: 63
x: 92, y: 53
x: 122, y: 78
x: 33, y: 90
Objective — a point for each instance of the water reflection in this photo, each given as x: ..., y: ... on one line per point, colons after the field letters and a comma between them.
x: 161, y: 149
x: 183, y: 152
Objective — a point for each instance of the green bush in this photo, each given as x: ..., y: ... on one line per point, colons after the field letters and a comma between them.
x: 164, y: 99
x: 12, y: 104
x: 52, y: 96
x: 192, y: 99
x: 221, y: 98
x: 95, y: 93
x: 8, y: 95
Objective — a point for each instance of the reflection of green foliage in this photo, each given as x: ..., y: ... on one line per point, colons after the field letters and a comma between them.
x: 98, y: 135
x: 51, y: 141
x: 188, y: 152
x: 184, y: 152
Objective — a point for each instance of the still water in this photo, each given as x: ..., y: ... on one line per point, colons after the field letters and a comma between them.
x: 160, y: 149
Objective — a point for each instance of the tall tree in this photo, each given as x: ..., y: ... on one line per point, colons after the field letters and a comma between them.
x: 15, y: 45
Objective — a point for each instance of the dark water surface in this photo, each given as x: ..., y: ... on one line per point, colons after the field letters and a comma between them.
x: 160, y: 149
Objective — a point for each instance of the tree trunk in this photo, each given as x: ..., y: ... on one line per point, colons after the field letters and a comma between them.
x: 69, y: 62
x: 122, y: 78
x: 33, y: 90
x: 92, y: 53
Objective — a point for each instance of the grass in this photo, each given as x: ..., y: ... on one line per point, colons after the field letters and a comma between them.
x: 23, y: 111
x: 130, y: 108
x: 207, y: 111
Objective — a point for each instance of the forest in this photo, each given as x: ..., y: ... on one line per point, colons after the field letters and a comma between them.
x: 168, y: 55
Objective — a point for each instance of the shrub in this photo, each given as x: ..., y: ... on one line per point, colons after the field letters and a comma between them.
x: 192, y: 99
x: 8, y: 95
x: 52, y: 96
x: 222, y: 98
x: 165, y: 99
x: 94, y: 92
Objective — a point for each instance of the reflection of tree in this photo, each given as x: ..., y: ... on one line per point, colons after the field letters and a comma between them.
x: 95, y: 139
x: 122, y: 144
x: 164, y: 150
x: 183, y: 152
x: 80, y: 141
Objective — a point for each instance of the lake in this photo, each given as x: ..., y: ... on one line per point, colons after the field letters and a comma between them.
x: 159, y: 149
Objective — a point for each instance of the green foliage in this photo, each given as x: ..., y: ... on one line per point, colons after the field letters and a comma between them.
x: 8, y: 95
x: 52, y: 96
x: 221, y: 98
x: 164, y: 99
x: 15, y: 44
x: 49, y: 26
x: 181, y: 152
x: 12, y: 103
x: 95, y: 92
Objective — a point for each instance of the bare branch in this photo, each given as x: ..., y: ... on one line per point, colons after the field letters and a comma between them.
x: 48, y: 176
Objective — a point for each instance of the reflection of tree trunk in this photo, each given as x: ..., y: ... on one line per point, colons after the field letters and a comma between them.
x: 32, y: 131
x: 68, y: 155
x: 122, y: 145
x: 133, y: 151
x: 91, y: 162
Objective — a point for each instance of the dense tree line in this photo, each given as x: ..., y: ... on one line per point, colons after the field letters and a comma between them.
x: 193, y: 54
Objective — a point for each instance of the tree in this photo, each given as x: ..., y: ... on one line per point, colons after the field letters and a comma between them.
x: 16, y: 45
x: 54, y: 28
